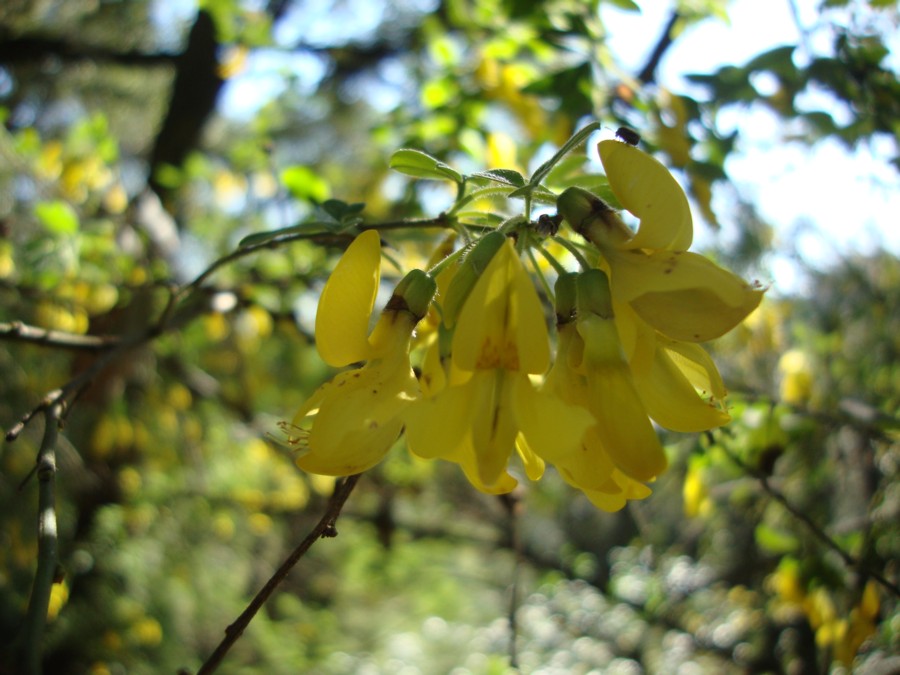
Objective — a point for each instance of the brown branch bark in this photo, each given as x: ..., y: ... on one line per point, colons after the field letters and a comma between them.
x: 648, y: 72
x: 19, y: 332
x: 324, y: 528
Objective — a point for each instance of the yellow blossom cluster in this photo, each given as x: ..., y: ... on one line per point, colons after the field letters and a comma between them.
x: 496, y: 382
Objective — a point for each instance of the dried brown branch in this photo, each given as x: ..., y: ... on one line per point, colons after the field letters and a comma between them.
x: 47, y: 557
x: 324, y: 528
x: 813, y: 527
x: 20, y: 332
x: 648, y: 72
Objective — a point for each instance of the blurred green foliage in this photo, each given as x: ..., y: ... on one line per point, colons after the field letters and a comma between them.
x: 174, y: 506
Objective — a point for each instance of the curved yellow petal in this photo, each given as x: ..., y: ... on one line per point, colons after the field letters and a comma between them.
x: 649, y: 191
x: 349, y: 423
x: 622, y: 490
x: 342, y: 319
x: 358, y: 419
x: 437, y: 426
x: 552, y: 428
x: 698, y: 367
x: 471, y: 425
x: 682, y: 294
x: 622, y: 422
x: 501, y: 324
x: 468, y: 461
x: 672, y: 401
x: 534, y: 465
x: 494, y: 427
x: 589, y: 467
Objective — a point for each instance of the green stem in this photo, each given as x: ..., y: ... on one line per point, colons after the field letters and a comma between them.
x: 577, y: 139
x: 449, y: 260
x: 558, y: 266
x: 573, y: 249
x: 540, y: 275
x: 48, y: 554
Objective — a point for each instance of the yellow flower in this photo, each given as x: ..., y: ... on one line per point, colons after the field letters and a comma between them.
x: 682, y: 295
x: 668, y: 374
x: 349, y: 424
x: 588, y: 466
x: 620, y: 448
x: 480, y: 402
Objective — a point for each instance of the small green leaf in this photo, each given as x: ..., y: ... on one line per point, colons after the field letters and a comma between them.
x: 311, y: 227
x: 538, y: 194
x: 578, y: 138
x: 341, y: 211
x: 504, y: 176
x: 775, y: 541
x: 627, y: 5
x: 304, y: 183
x: 419, y: 164
x: 58, y: 217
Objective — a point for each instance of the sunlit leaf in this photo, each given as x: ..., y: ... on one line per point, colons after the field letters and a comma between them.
x: 57, y: 216
x: 504, y: 176
x: 422, y: 165
x: 304, y: 183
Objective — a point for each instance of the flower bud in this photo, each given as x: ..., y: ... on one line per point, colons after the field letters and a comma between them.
x: 592, y: 218
x: 593, y: 294
x: 413, y: 294
x: 565, y: 290
x: 468, y: 273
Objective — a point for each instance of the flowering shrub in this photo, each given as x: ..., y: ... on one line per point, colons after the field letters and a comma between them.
x: 628, y: 324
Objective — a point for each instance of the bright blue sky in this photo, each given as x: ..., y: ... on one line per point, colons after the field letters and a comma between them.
x: 841, y: 200
x: 850, y: 199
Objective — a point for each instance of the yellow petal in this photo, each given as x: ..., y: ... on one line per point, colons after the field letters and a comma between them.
x: 646, y: 188
x: 534, y: 465
x: 494, y: 427
x: 622, y: 422
x: 698, y: 367
x: 358, y: 419
x: 672, y: 401
x: 349, y: 424
x: 684, y: 296
x: 342, y: 319
x: 589, y: 467
x: 468, y: 461
x: 501, y: 324
x: 436, y: 427
x: 552, y: 428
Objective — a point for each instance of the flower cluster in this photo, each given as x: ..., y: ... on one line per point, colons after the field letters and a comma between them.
x: 628, y: 326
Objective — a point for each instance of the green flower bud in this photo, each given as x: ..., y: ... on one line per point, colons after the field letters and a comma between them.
x: 413, y: 294
x: 565, y: 291
x: 593, y: 294
x: 468, y: 273
x: 592, y: 218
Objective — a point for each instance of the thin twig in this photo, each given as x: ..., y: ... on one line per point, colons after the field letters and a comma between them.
x: 512, y: 505
x: 324, y: 528
x: 61, y: 396
x: 47, y: 557
x: 648, y: 72
x: 813, y: 527
x: 21, y: 332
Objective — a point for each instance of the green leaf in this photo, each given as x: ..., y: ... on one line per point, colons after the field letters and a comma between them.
x: 419, y: 164
x: 775, y: 541
x: 57, y: 216
x: 304, y: 183
x: 577, y: 139
x: 538, y: 194
x: 311, y: 227
x: 504, y: 176
x: 341, y: 211
x: 626, y: 5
